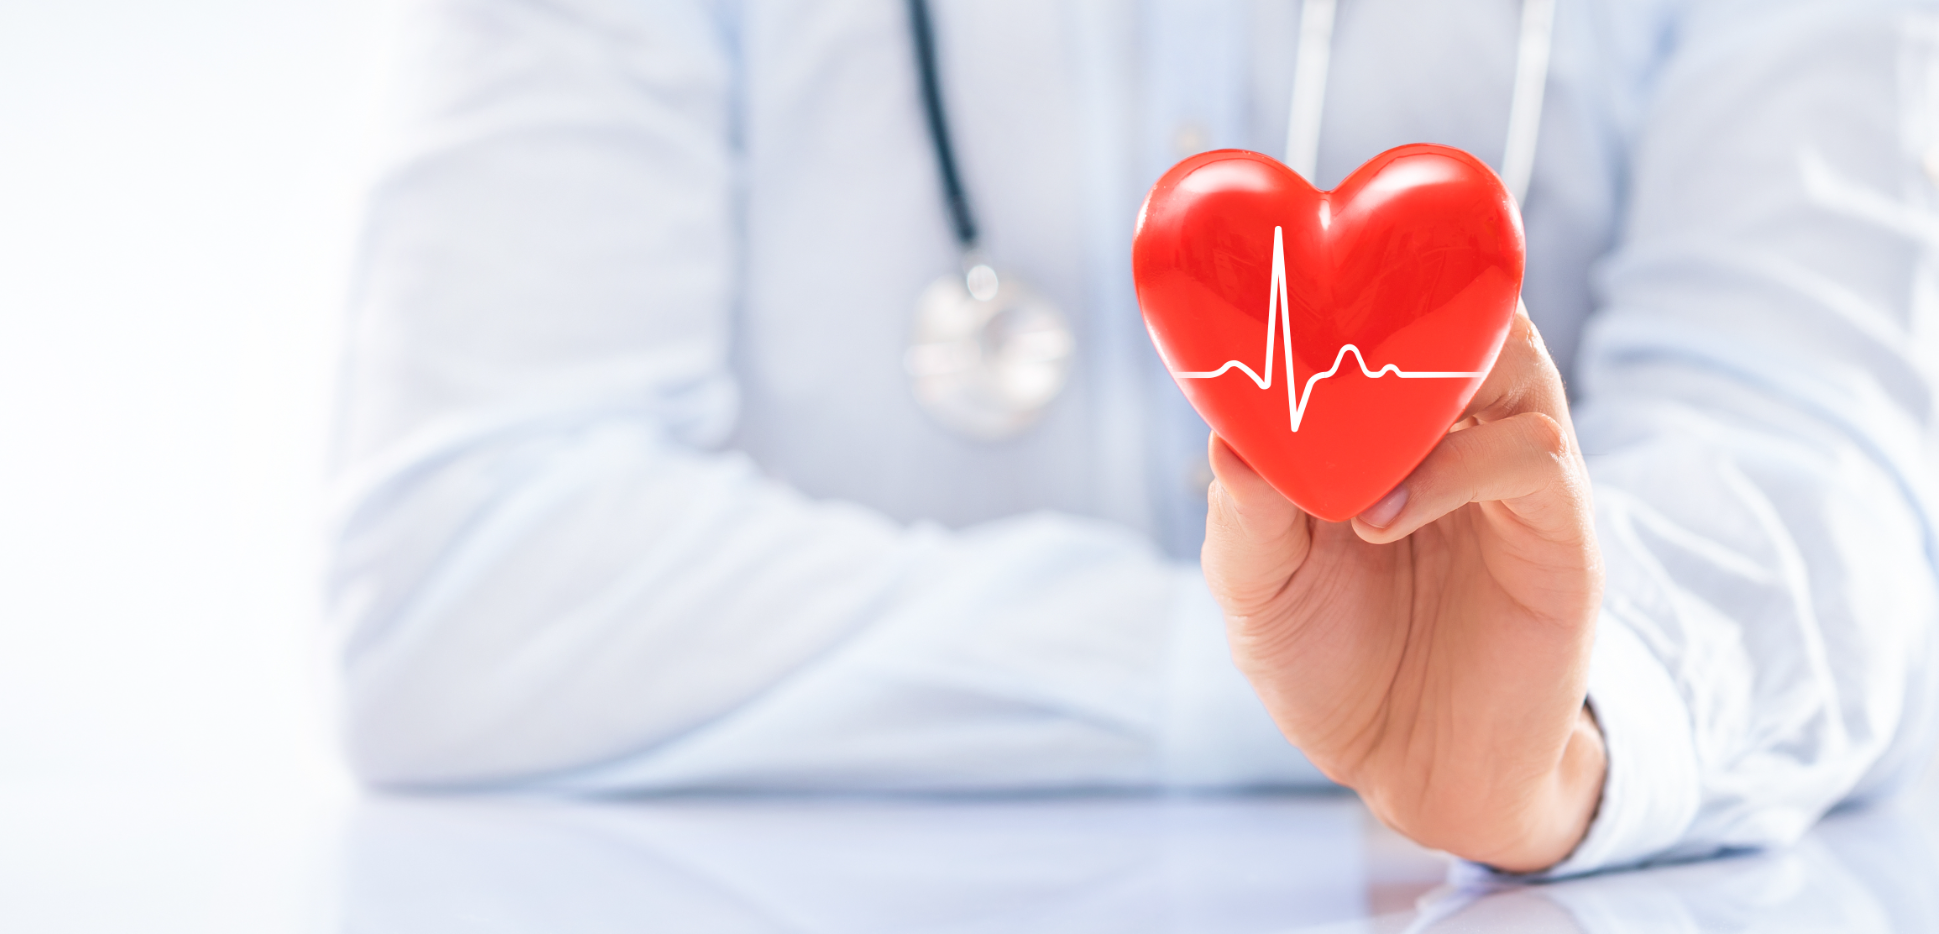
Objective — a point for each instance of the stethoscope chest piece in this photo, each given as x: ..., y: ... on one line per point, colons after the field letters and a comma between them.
x: 987, y: 354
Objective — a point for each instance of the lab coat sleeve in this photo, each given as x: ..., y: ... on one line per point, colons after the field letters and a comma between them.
x: 1756, y: 407
x: 547, y: 571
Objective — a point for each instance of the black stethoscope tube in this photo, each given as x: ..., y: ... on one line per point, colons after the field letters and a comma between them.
x: 924, y: 39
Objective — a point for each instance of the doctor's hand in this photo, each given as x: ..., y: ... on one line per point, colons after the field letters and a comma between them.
x: 1432, y: 654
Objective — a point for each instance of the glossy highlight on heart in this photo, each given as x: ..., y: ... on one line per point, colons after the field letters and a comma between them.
x: 1330, y: 337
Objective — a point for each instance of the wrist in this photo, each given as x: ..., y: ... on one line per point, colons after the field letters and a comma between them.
x: 1565, y: 806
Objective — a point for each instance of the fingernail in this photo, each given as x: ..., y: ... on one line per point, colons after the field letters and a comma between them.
x: 1383, y: 513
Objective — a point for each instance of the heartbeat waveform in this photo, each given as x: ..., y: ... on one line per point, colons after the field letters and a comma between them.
x: 1278, y: 319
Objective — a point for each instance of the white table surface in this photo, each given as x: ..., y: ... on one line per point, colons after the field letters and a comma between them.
x: 252, y: 858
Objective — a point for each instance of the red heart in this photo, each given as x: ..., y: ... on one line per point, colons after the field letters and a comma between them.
x: 1415, y: 262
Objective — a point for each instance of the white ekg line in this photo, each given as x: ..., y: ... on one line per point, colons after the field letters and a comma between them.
x: 1278, y: 318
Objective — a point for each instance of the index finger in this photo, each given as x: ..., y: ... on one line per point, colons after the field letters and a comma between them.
x: 1524, y: 379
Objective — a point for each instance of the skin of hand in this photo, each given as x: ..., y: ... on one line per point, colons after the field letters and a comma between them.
x: 1433, y: 652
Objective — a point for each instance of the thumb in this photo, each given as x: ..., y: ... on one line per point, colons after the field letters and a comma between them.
x: 1255, y: 539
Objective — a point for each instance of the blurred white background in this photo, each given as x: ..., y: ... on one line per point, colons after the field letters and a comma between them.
x: 179, y: 190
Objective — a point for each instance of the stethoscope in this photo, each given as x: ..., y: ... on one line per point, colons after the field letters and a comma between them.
x: 987, y: 354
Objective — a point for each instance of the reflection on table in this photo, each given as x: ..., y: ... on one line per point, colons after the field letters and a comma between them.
x: 1120, y: 864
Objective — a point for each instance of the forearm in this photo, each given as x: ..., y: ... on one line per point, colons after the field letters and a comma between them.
x: 597, y: 610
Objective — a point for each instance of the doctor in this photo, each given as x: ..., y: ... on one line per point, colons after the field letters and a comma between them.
x: 659, y: 467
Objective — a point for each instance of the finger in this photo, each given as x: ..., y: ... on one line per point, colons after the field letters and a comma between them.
x: 1254, y: 537
x: 1523, y: 379
x: 1526, y: 461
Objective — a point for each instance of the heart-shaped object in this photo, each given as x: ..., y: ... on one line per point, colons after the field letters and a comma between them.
x: 1330, y: 337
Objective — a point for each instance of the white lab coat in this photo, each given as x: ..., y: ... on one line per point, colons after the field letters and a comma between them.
x: 634, y: 494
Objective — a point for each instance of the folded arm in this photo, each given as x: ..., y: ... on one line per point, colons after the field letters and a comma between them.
x: 548, y: 572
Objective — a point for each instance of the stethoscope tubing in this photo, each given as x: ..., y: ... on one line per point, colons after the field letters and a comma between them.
x: 923, y: 36
x: 1307, y: 109
x: 1305, y: 113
